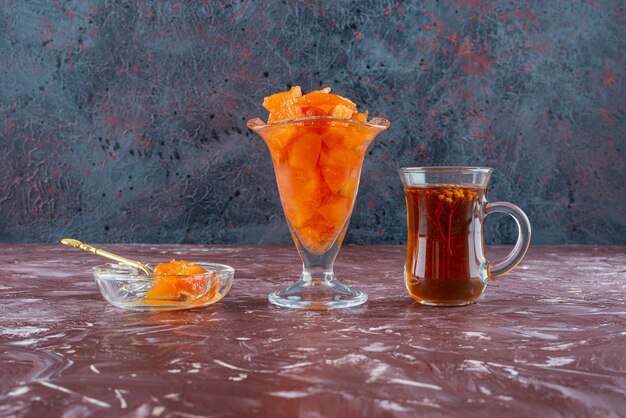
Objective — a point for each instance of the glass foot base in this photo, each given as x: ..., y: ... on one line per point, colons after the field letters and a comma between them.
x: 320, y: 294
x: 444, y: 304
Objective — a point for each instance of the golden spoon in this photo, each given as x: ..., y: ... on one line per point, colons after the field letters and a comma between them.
x: 86, y: 247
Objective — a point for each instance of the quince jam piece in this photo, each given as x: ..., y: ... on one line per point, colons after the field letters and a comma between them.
x: 292, y: 104
x: 179, y: 281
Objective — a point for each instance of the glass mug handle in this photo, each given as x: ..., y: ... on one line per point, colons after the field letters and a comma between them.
x: 501, y: 267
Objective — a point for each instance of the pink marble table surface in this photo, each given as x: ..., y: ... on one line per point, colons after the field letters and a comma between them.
x: 547, y: 340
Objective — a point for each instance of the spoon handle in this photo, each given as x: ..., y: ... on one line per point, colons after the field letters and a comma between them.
x: 97, y: 251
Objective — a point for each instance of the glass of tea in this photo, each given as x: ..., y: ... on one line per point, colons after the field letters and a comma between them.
x: 445, y: 261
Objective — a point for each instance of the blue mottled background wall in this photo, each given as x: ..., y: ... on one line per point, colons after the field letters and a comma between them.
x: 125, y: 120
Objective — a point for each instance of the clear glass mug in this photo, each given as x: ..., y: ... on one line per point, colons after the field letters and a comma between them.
x: 445, y: 261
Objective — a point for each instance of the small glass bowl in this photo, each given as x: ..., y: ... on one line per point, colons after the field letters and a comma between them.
x: 126, y: 287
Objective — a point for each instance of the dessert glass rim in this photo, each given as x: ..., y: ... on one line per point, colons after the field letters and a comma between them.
x: 376, y: 122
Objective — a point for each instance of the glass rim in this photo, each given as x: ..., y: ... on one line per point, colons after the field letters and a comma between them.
x: 117, y: 272
x: 446, y: 169
x: 377, y: 122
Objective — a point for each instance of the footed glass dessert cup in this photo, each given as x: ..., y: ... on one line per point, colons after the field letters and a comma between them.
x: 317, y: 161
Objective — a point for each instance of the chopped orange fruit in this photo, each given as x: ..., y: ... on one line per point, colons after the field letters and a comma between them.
x: 361, y: 117
x: 283, y: 106
x: 179, y: 281
x: 318, y: 110
x: 305, y: 151
x: 335, y: 178
x: 175, y: 268
x: 336, y: 211
x: 289, y: 105
x: 321, y: 98
x: 339, y: 156
x: 317, y: 238
x: 304, y: 191
x: 280, y: 140
x: 317, y: 162
x: 340, y: 111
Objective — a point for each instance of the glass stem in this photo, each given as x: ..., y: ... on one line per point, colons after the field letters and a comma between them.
x: 317, y: 269
x: 316, y: 276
